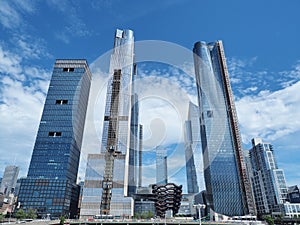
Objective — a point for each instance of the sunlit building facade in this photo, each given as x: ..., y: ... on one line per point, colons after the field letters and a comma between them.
x: 268, y: 180
x: 92, y: 190
x: 227, y: 185
x: 50, y: 187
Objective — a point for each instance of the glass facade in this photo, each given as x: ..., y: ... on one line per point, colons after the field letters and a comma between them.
x: 134, y: 146
x: 161, y: 166
x: 193, y: 151
x: 219, y: 132
x: 268, y: 181
x: 114, y: 176
x: 50, y: 186
x: 92, y: 191
x: 292, y: 210
x: 121, y: 59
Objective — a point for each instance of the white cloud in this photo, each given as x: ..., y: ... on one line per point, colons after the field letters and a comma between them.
x: 10, y: 64
x: 270, y: 115
x: 249, y: 90
x: 25, y: 6
x: 9, y: 17
x: 290, y: 76
x: 20, y: 111
x: 11, y: 12
x: 30, y: 48
x: 247, y: 80
x: 235, y: 80
x: 36, y: 73
x: 22, y: 95
x: 163, y: 110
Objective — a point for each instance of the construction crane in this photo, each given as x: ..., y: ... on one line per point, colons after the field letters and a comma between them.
x: 244, y: 180
x: 111, y: 147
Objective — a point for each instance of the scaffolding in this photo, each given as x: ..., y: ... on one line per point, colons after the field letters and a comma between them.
x: 244, y: 179
x: 111, y: 147
x: 140, y: 154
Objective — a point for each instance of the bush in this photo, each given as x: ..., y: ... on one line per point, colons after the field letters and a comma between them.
x: 62, y: 220
x: 269, y: 220
x: 31, y: 214
x: 20, y: 215
x: 144, y: 215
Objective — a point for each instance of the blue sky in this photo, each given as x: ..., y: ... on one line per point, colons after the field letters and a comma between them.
x: 261, y: 40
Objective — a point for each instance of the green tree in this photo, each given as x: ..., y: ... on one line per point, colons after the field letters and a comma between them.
x: 137, y: 215
x: 150, y: 215
x: 269, y: 220
x: 147, y: 215
x: 1, y: 217
x: 144, y: 215
x: 62, y: 220
x: 31, y: 214
x: 20, y: 215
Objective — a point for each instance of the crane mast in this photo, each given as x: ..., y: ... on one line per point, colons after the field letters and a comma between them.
x: 111, y: 147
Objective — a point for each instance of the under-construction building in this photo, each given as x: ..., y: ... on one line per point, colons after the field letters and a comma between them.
x: 227, y: 184
x: 110, y: 179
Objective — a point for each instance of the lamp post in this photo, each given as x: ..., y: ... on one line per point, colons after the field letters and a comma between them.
x: 199, y: 206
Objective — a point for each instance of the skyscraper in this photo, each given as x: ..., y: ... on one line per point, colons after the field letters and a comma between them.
x: 227, y: 185
x: 9, y: 180
x: 50, y: 186
x: 268, y: 180
x: 193, y: 151
x: 116, y: 138
x: 161, y: 166
x: 110, y: 176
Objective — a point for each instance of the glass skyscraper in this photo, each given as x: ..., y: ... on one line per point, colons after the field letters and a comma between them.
x: 228, y: 188
x: 268, y: 181
x: 50, y: 186
x: 111, y: 176
x: 193, y: 151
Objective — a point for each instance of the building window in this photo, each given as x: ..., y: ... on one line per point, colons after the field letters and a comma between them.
x: 61, y: 102
x: 210, y: 113
x: 68, y: 69
x: 54, y: 134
